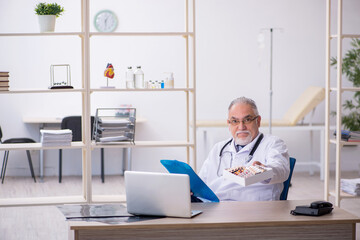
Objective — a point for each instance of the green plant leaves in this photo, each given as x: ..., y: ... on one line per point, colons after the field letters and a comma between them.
x: 351, y: 69
x: 49, y: 9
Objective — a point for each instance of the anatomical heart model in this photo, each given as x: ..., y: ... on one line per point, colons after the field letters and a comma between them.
x: 109, y: 73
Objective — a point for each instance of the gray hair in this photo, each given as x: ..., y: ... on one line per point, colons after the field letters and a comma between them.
x: 244, y: 100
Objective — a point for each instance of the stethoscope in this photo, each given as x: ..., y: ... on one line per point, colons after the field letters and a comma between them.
x: 247, y: 159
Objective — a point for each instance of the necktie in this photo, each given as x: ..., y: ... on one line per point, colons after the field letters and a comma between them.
x: 238, y: 147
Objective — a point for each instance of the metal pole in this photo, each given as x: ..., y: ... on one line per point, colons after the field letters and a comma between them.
x: 271, y: 91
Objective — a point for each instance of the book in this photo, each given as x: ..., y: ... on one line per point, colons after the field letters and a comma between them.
x: 4, y: 88
x: 197, y: 186
x: 355, y: 134
x: 4, y: 83
x: 50, y: 138
x: 4, y: 74
x: 3, y: 78
x: 345, y: 135
x: 351, y: 186
x: 349, y: 136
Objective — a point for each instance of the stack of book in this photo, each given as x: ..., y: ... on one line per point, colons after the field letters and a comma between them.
x: 350, y: 136
x: 351, y: 186
x: 51, y: 138
x: 4, y: 81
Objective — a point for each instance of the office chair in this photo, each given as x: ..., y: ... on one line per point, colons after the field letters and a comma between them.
x: 285, y: 191
x: 6, y: 154
x: 74, y: 124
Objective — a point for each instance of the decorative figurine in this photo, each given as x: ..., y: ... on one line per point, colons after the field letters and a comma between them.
x: 109, y: 73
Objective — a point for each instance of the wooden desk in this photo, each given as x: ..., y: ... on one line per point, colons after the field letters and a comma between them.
x: 228, y: 220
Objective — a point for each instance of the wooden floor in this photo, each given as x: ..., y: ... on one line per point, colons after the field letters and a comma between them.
x: 47, y: 223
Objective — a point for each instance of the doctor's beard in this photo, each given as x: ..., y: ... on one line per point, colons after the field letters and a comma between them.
x: 243, y: 141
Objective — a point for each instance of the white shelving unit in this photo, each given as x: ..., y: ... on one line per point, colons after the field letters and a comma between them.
x: 88, y: 145
x: 337, y: 193
x: 41, y: 90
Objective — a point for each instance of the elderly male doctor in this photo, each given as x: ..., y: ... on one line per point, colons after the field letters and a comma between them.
x: 247, y: 147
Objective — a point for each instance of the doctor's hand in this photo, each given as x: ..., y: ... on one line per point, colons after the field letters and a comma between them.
x: 193, y: 198
x: 258, y: 163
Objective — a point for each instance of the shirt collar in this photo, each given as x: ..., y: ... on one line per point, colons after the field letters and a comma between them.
x: 247, y: 147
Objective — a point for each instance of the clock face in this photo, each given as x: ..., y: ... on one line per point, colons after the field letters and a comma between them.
x: 105, y: 21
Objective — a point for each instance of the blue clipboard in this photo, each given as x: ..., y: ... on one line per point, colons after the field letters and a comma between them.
x: 197, y: 186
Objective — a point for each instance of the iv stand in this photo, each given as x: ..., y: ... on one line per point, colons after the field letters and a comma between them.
x: 271, y: 73
x: 271, y: 91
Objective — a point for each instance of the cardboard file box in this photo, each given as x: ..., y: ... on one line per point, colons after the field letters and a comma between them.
x: 248, y: 179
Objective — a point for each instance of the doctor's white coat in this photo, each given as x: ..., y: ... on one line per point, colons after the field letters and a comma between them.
x: 272, y: 152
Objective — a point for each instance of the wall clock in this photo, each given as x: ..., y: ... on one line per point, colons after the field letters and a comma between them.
x: 105, y: 21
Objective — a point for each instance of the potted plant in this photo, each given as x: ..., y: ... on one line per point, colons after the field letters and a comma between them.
x: 351, y: 69
x: 48, y: 12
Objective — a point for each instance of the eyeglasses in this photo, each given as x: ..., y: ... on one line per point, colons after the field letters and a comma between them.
x: 245, y: 121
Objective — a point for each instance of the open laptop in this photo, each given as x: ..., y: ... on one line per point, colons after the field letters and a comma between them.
x: 158, y: 194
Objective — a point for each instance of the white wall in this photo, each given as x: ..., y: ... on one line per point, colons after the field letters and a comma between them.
x: 229, y: 64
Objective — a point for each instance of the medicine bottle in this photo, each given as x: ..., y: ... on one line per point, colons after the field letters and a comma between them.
x: 139, y: 78
x: 157, y: 84
x: 150, y: 84
x: 169, y: 80
x: 129, y: 76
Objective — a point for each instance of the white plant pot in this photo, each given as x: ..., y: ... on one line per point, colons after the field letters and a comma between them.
x: 47, y: 23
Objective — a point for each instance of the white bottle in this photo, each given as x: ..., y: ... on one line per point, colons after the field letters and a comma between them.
x: 129, y: 78
x: 157, y: 84
x: 139, y: 78
x: 150, y: 84
x: 169, y: 81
